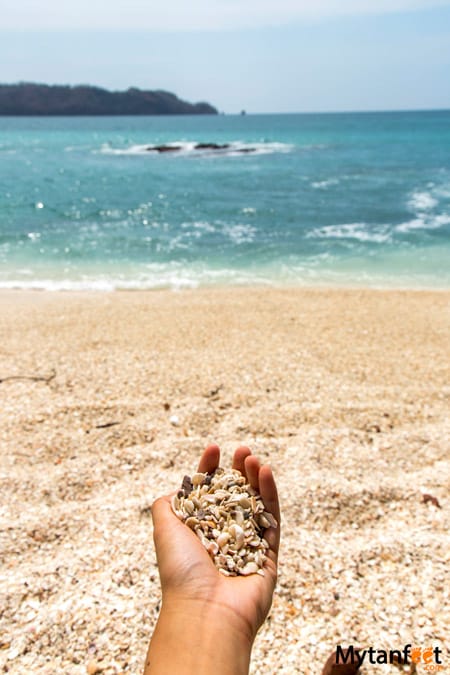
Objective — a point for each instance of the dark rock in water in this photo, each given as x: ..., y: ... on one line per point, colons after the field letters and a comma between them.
x: 28, y: 98
x: 199, y: 146
x: 211, y: 146
x: 163, y: 148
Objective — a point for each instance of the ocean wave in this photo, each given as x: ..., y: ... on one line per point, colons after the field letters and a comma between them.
x: 168, y: 278
x: 424, y: 223
x: 358, y: 231
x: 280, y: 273
x: 421, y: 200
x: 199, y: 148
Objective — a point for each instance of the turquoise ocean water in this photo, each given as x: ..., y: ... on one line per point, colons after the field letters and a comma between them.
x: 335, y: 199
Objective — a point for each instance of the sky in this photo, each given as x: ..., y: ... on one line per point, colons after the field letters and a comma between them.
x: 257, y: 55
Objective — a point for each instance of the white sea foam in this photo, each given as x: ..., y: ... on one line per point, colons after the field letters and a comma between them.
x: 406, y: 271
x: 240, y: 233
x: 199, y: 226
x: 323, y: 184
x: 359, y: 231
x: 188, y: 148
x: 424, y: 223
x: 422, y: 200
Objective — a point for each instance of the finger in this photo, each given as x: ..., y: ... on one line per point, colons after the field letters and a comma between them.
x: 239, y: 458
x: 164, y: 520
x: 269, y: 494
x: 171, y: 536
x: 251, y: 464
x: 268, y: 491
x: 210, y: 459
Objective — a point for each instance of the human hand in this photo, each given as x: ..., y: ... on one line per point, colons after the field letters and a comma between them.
x: 189, y: 578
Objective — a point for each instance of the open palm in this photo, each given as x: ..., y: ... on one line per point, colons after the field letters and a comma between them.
x: 188, y: 573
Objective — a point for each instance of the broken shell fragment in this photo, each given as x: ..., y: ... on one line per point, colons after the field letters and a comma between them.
x: 228, y: 517
x: 249, y: 568
x: 198, y: 479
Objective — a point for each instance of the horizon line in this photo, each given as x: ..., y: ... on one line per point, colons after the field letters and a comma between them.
x: 244, y: 113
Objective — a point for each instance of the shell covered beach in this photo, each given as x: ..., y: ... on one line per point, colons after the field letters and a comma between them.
x: 108, y: 399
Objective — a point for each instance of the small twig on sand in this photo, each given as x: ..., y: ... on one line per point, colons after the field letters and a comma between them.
x: 213, y: 393
x: 106, y: 425
x: 32, y: 378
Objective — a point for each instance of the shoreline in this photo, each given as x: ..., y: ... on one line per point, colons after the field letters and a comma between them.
x: 294, y: 288
x: 345, y: 392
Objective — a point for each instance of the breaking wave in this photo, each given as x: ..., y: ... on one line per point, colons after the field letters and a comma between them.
x: 422, y: 201
x: 358, y: 231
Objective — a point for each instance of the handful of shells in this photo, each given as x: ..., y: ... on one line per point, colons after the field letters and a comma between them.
x: 228, y: 517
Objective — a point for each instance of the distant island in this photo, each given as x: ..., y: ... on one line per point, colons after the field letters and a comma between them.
x: 43, y: 99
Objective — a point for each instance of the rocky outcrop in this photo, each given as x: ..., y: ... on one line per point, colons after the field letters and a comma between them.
x: 43, y: 99
x: 214, y: 147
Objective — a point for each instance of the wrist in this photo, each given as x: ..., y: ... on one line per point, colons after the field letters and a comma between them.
x: 199, y: 636
x: 211, y: 615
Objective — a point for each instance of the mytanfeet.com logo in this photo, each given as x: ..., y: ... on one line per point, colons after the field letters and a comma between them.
x: 429, y: 658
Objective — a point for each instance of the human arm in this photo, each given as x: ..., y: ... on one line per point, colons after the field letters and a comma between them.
x: 208, y: 622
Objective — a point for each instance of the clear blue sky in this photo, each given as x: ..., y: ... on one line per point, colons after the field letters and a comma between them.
x: 261, y: 55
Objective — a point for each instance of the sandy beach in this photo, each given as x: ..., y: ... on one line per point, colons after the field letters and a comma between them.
x: 346, y: 392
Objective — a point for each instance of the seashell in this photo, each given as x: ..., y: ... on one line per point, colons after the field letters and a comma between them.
x: 209, y: 498
x: 188, y: 506
x: 233, y: 498
x: 259, y: 558
x: 228, y: 517
x: 230, y: 563
x: 202, y: 537
x: 223, y: 538
x: 239, y: 517
x: 220, y: 494
x: 249, y: 568
x: 237, y: 533
x: 192, y: 522
x: 263, y: 521
x: 212, y: 548
x: 268, y: 516
x: 195, y: 500
x: 225, y: 572
x: 186, y: 485
x: 198, y: 479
